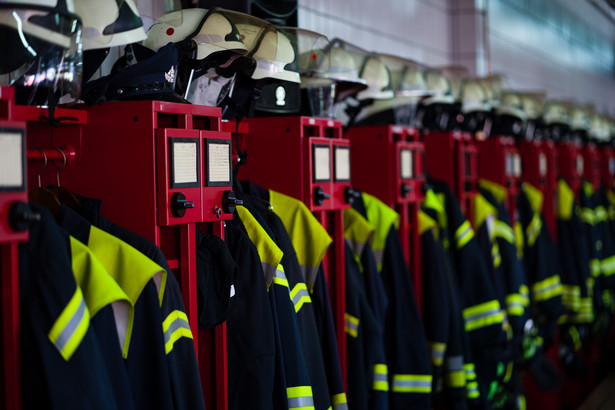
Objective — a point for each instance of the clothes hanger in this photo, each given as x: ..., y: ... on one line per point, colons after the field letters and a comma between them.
x: 65, y: 196
x: 42, y: 195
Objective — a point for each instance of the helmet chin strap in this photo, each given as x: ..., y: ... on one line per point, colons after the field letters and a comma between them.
x: 52, y: 102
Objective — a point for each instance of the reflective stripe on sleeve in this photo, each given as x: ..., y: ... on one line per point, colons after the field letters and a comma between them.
x: 514, y: 304
x: 533, y: 230
x: 351, y: 325
x: 502, y: 230
x: 454, y: 374
x: 411, y: 383
x: 339, y: 401
x: 381, y: 377
x: 463, y: 234
x: 495, y: 255
x: 587, y: 215
x: 608, y: 266
x: 547, y: 289
x: 437, y: 352
x: 300, y: 295
x: 174, y: 327
x: 70, y: 327
x: 279, y: 277
x: 300, y: 398
x: 601, y: 214
x: 482, y: 315
x: 471, y: 383
x: 525, y: 295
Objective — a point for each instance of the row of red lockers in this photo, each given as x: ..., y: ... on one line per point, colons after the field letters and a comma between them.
x: 162, y: 167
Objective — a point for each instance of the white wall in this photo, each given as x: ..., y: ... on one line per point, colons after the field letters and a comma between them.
x: 562, y: 47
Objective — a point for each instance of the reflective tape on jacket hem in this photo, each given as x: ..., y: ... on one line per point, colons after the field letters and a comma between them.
x: 408, y: 383
x: 608, y: 266
x: 483, y: 315
x: 502, y: 230
x: 174, y: 327
x: 71, y: 326
x: 381, y: 377
x: 300, y: 398
x: 339, y: 401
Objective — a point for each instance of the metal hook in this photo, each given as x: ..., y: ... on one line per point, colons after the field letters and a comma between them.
x: 63, y: 165
x: 42, y: 169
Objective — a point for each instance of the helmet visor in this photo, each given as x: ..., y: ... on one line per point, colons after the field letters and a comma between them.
x: 42, y: 56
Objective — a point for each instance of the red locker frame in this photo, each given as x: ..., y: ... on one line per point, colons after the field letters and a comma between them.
x: 539, y: 161
x: 289, y: 155
x: 451, y: 156
x: 592, y: 164
x: 397, y: 180
x: 32, y: 119
x: 127, y: 159
x: 607, y: 166
x: 499, y: 161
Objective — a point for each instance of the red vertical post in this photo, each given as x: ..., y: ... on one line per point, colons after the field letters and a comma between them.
x: 187, y: 266
x: 10, y: 326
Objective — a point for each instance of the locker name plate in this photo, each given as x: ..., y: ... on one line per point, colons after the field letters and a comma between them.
x: 321, y: 163
x: 218, y: 157
x: 342, y: 164
x: 184, y: 162
x: 12, y: 159
x: 405, y: 169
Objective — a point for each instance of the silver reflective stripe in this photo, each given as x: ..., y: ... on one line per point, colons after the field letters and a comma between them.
x: 301, y: 293
x: 178, y: 323
x: 299, y: 402
x: 71, y: 326
x: 454, y: 363
x: 478, y: 316
x: 378, y: 256
x: 340, y: 406
x: 412, y: 384
x: 356, y: 246
x: 381, y: 377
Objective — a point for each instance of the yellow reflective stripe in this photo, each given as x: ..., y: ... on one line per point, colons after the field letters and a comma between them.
x: 594, y: 267
x: 587, y: 216
x: 498, y: 191
x: 534, y: 196
x: 504, y: 231
x: 463, y: 234
x: 533, y: 229
x: 437, y: 352
x: 470, y: 371
x: 547, y: 289
x: 351, y: 325
x: 608, y: 266
x: 339, y: 401
x: 588, y: 188
x: 70, y: 327
x: 482, y: 315
x: 514, y: 304
x: 524, y: 291
x: 455, y: 379
x: 519, y: 239
x: 300, y: 398
x: 381, y: 377
x: 521, y: 402
x: 300, y: 295
x: 412, y: 383
x: 565, y: 200
x: 600, y: 214
x: 509, y: 370
x: 495, y: 255
x: 472, y: 391
x: 576, y: 338
x: 174, y: 327
x: 571, y: 297
x: 279, y: 277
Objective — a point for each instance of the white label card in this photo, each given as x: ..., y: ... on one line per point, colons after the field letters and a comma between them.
x: 322, y: 163
x: 185, y: 167
x: 219, y: 163
x: 580, y: 165
x: 542, y: 165
x: 406, y: 164
x: 342, y: 163
x: 11, y: 160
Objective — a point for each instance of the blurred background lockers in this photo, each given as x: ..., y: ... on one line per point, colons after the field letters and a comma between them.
x: 563, y: 47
